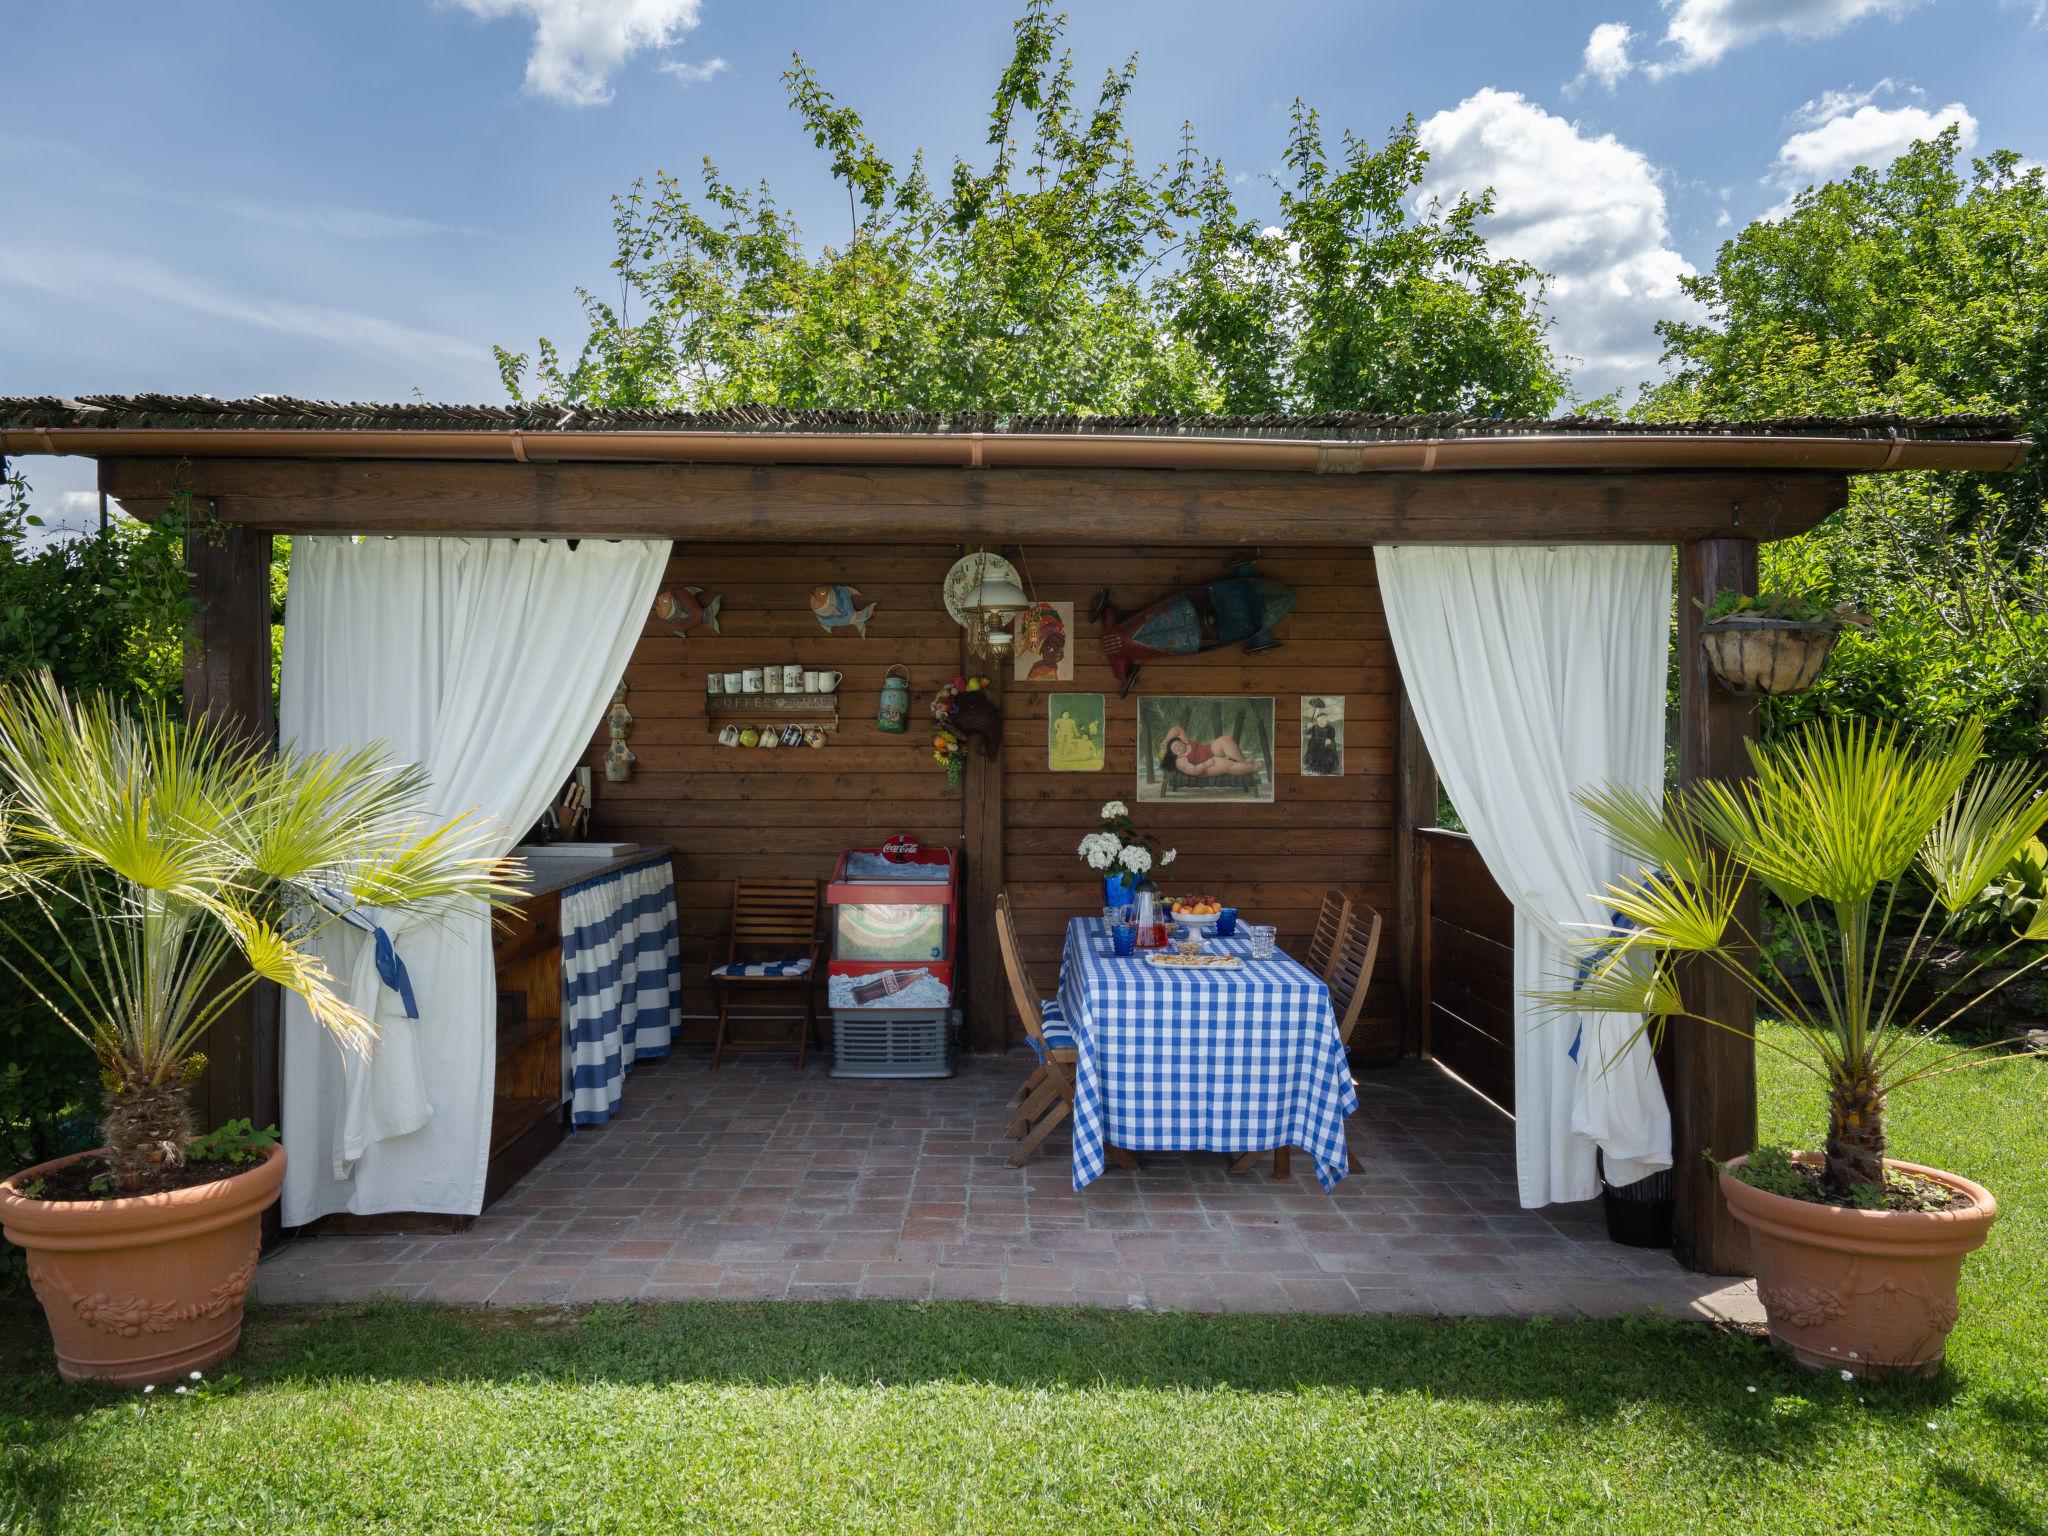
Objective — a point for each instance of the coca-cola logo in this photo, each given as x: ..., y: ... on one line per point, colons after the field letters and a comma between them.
x: 900, y: 849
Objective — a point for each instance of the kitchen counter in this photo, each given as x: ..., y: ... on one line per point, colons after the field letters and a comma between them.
x: 557, y: 871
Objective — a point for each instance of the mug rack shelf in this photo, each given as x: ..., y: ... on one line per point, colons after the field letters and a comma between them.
x: 804, y: 709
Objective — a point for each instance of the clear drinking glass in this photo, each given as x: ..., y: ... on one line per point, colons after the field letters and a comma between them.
x: 1263, y: 935
x: 1111, y: 916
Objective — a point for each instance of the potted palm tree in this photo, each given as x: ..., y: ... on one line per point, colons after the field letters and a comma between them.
x: 1857, y: 1256
x: 140, y: 860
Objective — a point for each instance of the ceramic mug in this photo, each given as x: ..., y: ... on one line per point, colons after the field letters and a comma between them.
x: 750, y: 680
x: 792, y: 678
x: 729, y: 737
x: 772, y: 681
x: 713, y: 682
x: 828, y: 682
x: 732, y: 682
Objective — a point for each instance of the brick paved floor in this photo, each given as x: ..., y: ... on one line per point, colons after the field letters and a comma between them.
x: 759, y: 1182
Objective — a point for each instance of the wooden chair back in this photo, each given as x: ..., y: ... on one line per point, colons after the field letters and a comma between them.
x: 1022, y: 992
x: 781, y: 915
x: 1351, y: 970
x: 1330, y: 925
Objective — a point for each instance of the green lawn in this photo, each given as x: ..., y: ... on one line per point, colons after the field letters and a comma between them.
x: 966, y: 1418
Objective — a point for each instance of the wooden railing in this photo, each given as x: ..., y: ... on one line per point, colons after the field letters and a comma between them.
x: 1466, y: 966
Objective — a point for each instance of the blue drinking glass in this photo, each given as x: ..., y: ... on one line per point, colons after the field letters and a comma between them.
x: 1123, y: 939
x: 1226, y: 922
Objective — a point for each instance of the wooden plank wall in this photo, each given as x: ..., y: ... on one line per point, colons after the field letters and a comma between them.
x: 790, y: 812
x: 1470, y: 948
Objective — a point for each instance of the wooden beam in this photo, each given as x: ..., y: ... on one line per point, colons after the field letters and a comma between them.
x: 981, y: 811
x: 227, y: 678
x: 1414, y: 807
x: 1713, y: 1109
x: 894, y: 505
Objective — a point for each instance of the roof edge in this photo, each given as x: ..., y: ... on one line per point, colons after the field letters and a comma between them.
x: 1566, y: 450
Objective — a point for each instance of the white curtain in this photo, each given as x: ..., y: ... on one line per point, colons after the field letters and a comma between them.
x: 1535, y: 673
x: 490, y: 662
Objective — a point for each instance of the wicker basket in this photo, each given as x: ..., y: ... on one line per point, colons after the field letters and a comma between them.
x: 1754, y: 654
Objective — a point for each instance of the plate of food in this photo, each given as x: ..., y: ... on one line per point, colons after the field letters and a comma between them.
x: 1199, y: 912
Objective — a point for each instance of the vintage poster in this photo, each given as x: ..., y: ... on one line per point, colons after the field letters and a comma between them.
x: 1045, y: 633
x: 1199, y: 748
x: 1322, y: 736
x: 1074, y: 733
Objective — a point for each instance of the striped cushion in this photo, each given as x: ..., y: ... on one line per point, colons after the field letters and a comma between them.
x: 1057, y: 1036
x: 797, y: 967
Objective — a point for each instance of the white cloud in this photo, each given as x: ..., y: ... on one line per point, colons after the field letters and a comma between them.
x: 1704, y: 31
x: 344, y: 223
x: 578, y: 45
x: 86, y: 273
x: 695, y: 74
x: 1865, y: 135
x: 1587, y: 209
x: 1833, y: 104
x: 1606, y: 58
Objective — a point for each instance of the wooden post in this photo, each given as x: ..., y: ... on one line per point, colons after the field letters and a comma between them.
x: 1713, y: 1106
x: 227, y: 678
x: 981, y: 815
x: 1414, y: 806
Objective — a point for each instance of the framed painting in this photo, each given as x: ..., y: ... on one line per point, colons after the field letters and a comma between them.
x: 1322, y: 736
x: 1045, y: 653
x: 1201, y: 748
x: 1075, y: 733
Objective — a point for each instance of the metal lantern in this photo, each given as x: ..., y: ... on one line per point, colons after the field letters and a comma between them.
x: 894, y: 711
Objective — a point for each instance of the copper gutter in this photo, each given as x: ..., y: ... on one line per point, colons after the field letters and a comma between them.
x: 1003, y: 450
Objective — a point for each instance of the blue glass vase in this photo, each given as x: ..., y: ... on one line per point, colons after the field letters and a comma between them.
x: 1118, y: 889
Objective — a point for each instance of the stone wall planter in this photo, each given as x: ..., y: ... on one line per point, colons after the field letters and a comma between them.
x: 1872, y: 1292
x: 147, y: 1288
x: 1754, y: 654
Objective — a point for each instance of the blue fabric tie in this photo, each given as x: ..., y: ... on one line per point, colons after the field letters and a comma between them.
x: 390, y: 968
x: 1593, y: 958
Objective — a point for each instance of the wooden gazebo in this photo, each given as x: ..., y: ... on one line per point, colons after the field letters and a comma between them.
x: 763, y: 503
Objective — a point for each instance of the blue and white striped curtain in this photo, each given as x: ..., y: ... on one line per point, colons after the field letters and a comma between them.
x: 622, y: 981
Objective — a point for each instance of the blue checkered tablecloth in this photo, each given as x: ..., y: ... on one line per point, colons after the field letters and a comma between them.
x: 1212, y: 1061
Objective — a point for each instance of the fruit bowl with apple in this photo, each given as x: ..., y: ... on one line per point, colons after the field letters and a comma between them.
x: 1198, y: 912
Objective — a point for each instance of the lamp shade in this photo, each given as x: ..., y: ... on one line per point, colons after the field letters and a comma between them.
x: 997, y: 595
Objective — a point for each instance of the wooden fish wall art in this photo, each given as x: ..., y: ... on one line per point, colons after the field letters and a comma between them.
x: 833, y: 608
x: 684, y: 609
x: 1243, y: 606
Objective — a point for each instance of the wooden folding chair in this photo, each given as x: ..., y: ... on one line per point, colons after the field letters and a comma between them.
x: 1047, y: 1097
x: 772, y: 949
x: 1331, y: 922
x: 1349, y: 978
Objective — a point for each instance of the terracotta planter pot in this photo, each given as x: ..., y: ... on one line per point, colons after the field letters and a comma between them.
x: 1872, y: 1292
x: 143, y: 1289
x: 1754, y: 654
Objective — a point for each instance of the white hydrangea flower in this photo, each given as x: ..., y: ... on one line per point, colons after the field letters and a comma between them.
x: 1168, y: 857
x: 1099, y: 849
x: 1136, y: 859
x: 1113, y: 809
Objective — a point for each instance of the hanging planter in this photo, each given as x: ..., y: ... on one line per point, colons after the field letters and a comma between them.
x: 1771, y: 644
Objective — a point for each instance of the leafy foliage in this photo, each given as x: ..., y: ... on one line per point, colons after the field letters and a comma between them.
x: 1919, y: 289
x: 1843, y: 822
x: 1060, y: 276
x: 139, y: 855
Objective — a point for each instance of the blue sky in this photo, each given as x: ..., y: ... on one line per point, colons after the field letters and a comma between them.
x: 354, y: 201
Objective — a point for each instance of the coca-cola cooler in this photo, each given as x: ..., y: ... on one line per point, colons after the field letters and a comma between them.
x: 895, y: 937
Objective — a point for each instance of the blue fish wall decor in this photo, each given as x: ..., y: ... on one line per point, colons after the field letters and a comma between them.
x: 833, y: 607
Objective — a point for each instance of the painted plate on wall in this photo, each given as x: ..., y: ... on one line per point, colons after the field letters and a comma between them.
x: 969, y: 572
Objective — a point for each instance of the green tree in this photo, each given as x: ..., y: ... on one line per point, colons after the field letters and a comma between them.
x: 1062, y: 275
x: 1916, y: 289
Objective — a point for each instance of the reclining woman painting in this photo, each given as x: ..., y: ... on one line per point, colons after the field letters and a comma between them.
x: 1205, y: 748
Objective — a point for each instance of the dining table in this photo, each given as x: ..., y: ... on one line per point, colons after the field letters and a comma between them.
x: 1243, y: 1058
